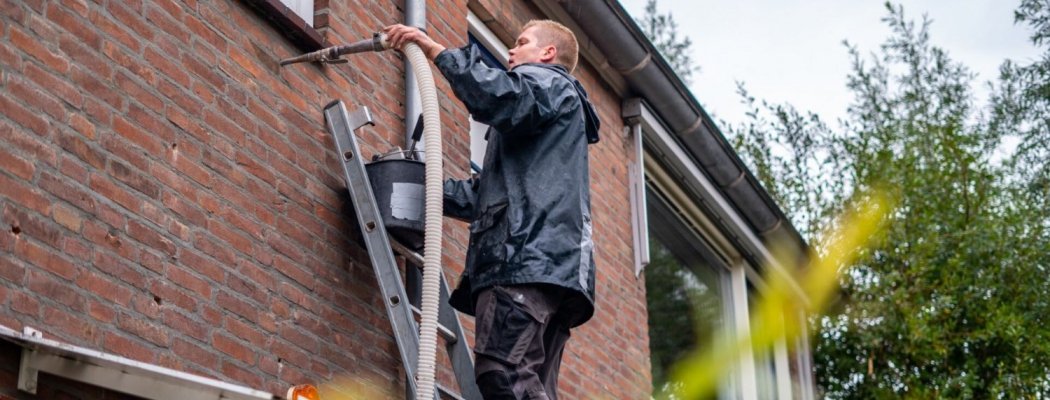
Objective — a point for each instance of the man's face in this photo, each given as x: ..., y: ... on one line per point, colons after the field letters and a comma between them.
x: 527, y: 50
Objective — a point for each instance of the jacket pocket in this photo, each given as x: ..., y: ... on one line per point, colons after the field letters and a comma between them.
x: 489, y: 234
x: 506, y: 328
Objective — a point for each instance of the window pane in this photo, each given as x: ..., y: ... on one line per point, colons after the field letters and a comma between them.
x: 684, y: 290
x: 303, y: 8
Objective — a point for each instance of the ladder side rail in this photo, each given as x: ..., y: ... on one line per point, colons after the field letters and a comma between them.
x: 341, y: 126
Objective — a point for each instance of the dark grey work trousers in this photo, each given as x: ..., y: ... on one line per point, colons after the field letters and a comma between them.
x: 520, y: 337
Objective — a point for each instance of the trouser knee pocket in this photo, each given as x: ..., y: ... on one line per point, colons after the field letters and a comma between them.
x: 507, y: 326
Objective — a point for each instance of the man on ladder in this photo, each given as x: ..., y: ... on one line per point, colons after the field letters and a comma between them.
x: 529, y: 273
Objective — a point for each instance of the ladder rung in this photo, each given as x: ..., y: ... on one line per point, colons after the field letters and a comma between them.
x: 445, y: 332
x: 413, y: 257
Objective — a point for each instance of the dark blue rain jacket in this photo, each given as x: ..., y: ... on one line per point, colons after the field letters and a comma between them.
x: 530, y: 211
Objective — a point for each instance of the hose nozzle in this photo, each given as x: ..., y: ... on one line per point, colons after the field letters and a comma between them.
x: 330, y: 55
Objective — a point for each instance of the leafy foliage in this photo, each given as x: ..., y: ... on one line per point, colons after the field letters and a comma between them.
x: 662, y: 31
x: 952, y: 302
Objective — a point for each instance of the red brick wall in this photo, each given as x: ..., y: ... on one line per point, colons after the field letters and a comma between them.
x: 168, y: 193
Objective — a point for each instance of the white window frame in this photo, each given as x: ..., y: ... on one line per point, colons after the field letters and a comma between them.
x: 483, y: 34
x: 664, y: 149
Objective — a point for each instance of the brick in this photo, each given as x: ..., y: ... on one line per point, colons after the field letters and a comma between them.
x: 68, y: 191
x: 82, y: 125
x: 111, y: 30
x: 282, y: 245
x: 105, y: 288
x: 131, y: 61
x: 149, y: 236
x: 235, y: 240
x: 85, y: 151
x: 168, y: 24
x: 205, y: 33
x: 12, y: 270
x: 144, y: 329
x: 233, y: 348
x: 222, y: 125
x: 195, y: 353
x: 96, y: 89
x: 237, y: 306
x: 184, y: 278
x: 139, y: 136
x: 54, y: 84
x: 241, y: 375
x: 162, y: 62
x: 187, y: 210
x: 15, y: 165
x: 185, y: 325
x: 130, y: 17
x: 101, y: 312
x: 247, y: 332
x: 294, y: 271
x: 154, y: 261
x: 121, y: 149
x: 152, y: 124
x: 117, y: 194
x: 31, y: 46
x: 139, y: 92
x: 105, y: 262
x: 23, y: 117
x: 193, y: 171
x: 259, y: 275
x: 25, y: 303
x: 202, y: 265
x: 85, y: 57
x: 247, y: 288
x: 75, y: 25
x: 58, y: 320
x: 67, y: 217
x: 45, y: 258
x: 173, y: 295
x: 186, y: 123
x: 290, y: 354
x: 125, y: 346
x: 212, y: 247
x: 148, y: 304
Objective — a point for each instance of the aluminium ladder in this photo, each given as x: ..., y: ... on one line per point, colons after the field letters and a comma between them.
x: 380, y: 249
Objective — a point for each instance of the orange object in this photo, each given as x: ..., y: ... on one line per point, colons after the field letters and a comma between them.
x: 303, y: 392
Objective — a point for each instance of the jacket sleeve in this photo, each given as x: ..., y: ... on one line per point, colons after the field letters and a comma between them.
x: 460, y: 197
x: 513, y: 102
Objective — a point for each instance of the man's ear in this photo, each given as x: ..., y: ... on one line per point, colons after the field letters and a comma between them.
x: 550, y: 53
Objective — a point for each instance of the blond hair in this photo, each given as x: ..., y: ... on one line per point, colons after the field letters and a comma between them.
x: 551, y: 33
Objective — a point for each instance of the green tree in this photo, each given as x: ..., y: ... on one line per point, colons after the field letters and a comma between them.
x: 951, y: 304
x: 1021, y: 107
x: 662, y: 31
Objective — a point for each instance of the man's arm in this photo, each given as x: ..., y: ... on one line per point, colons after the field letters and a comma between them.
x: 460, y: 198
x: 514, y: 102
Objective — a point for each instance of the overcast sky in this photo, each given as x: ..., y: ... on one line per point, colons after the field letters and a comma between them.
x: 791, y: 51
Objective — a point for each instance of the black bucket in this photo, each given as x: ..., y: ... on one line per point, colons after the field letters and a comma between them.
x: 399, y: 188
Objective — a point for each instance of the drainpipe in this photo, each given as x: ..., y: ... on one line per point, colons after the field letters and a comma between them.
x: 415, y: 15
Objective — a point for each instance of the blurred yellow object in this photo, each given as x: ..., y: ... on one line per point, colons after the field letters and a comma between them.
x: 697, y: 375
x: 303, y: 392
